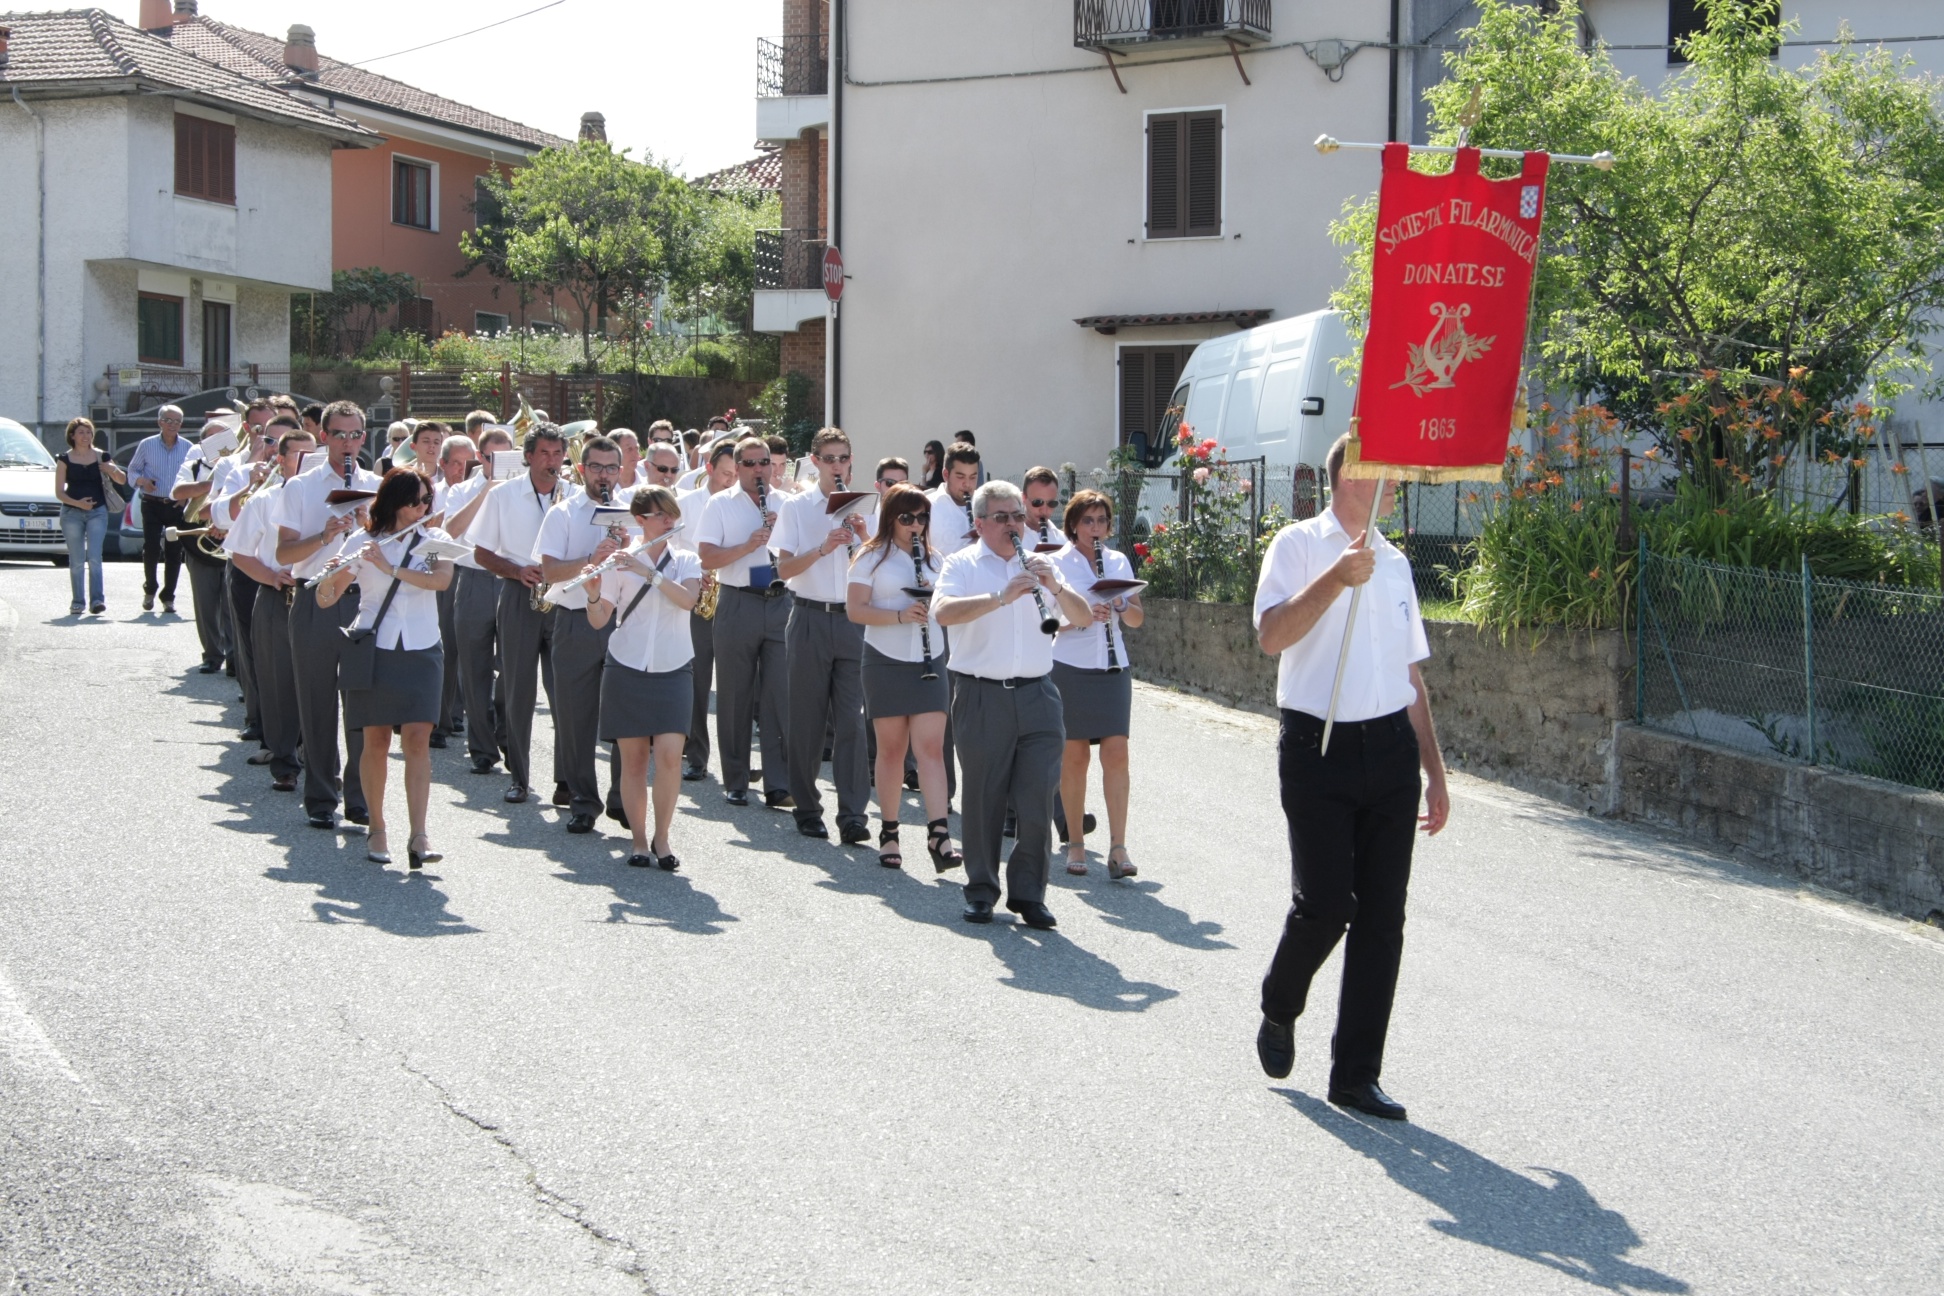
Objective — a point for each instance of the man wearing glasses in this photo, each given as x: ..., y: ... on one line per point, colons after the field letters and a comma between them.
x: 720, y: 476
x: 825, y: 647
x: 892, y: 471
x: 570, y: 538
x: 309, y: 534
x: 156, y: 464
x: 751, y: 620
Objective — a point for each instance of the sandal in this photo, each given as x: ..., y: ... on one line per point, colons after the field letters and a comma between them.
x: 1077, y: 867
x: 938, y: 841
x: 1122, y: 867
x: 888, y: 836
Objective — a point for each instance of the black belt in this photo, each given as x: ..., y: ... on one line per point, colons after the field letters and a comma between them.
x: 1016, y: 681
x: 157, y: 499
x: 821, y: 606
x: 773, y: 591
x: 1377, y: 724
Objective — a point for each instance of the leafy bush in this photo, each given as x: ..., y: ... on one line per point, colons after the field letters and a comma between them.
x: 1211, y: 548
x: 785, y: 406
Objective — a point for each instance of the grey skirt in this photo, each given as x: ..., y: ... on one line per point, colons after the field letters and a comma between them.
x: 407, y: 685
x: 1097, y: 704
x: 636, y: 704
x: 895, y: 688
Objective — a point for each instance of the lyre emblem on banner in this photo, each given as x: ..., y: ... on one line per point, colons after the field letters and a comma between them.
x: 1445, y: 347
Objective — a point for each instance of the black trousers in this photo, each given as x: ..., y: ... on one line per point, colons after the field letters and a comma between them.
x: 209, y: 604
x: 1352, y: 823
x: 241, y: 591
x: 158, y: 514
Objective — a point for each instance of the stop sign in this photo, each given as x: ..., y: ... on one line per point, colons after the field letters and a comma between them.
x: 833, y: 273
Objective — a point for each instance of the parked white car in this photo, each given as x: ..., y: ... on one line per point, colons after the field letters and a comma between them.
x: 30, y: 515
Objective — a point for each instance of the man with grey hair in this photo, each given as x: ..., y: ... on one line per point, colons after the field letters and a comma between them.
x: 154, y: 468
x: 999, y: 600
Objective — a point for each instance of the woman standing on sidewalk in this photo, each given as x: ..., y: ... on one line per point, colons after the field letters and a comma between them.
x: 84, y: 511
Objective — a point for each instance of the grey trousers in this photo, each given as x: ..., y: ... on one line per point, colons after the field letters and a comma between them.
x: 1009, y: 745
x: 475, y: 616
x: 316, y: 643
x: 276, y: 681
x: 525, y: 636
x: 826, y: 667
x: 239, y: 595
x: 206, y: 593
x: 702, y: 639
x: 750, y: 635
x: 579, y: 655
x: 451, y: 702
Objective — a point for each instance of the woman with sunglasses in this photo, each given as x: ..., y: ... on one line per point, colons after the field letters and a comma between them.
x: 904, y: 668
x: 647, y: 684
x: 1096, y: 689
x: 399, y: 597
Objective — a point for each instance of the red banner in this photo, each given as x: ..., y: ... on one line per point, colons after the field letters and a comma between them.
x: 1451, y: 284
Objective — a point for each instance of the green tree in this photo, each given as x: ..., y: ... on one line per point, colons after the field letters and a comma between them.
x: 1759, y: 221
x: 588, y: 221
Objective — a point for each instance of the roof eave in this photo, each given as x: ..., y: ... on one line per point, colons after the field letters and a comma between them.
x: 332, y: 97
x: 349, y: 134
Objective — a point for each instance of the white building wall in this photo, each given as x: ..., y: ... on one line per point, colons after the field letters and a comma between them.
x: 980, y: 218
x: 87, y: 221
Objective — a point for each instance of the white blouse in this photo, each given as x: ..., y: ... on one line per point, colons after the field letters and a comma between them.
x: 655, y: 636
x: 1086, y: 646
x: 412, y: 622
x: 887, y: 581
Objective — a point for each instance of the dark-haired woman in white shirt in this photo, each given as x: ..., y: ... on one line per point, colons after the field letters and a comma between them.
x: 647, y: 683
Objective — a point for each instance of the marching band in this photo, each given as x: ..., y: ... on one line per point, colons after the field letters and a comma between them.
x: 631, y: 578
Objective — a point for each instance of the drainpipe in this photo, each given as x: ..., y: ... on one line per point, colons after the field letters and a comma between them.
x: 40, y: 286
x: 834, y: 344
x: 1392, y: 134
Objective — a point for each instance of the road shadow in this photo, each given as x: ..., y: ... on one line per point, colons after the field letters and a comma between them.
x: 1555, y: 1223
x: 1138, y: 907
x: 642, y: 897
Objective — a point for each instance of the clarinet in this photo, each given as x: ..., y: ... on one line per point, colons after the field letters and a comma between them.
x: 924, y: 627
x: 1100, y: 572
x: 1049, y: 624
x: 850, y: 536
x: 762, y: 512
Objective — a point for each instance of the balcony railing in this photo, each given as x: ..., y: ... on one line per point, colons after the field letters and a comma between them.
x: 1099, y: 24
x: 789, y: 258
x: 799, y: 66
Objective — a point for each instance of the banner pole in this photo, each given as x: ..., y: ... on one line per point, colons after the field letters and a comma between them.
x: 1602, y: 161
x: 1350, y: 623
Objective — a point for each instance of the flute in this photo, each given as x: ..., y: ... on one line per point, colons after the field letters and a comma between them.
x: 353, y: 549
x: 1100, y: 573
x: 613, y: 560
x: 918, y: 579
x: 1049, y: 624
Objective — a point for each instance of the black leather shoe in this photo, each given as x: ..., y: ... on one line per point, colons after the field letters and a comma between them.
x: 813, y: 828
x: 437, y: 742
x: 854, y: 833
x: 357, y: 815
x: 288, y: 783
x: 1276, y: 1047
x: 911, y: 780
x: 250, y: 734
x: 978, y: 911
x: 321, y: 819
x: 1033, y: 914
x: 562, y: 797
x: 483, y: 764
x: 1087, y: 824
x: 779, y: 799
x: 580, y: 823
x: 619, y: 813
x: 736, y: 798
x: 515, y: 794
x: 1368, y: 1099
x: 229, y: 668
x: 693, y: 773
x: 458, y: 724
x: 207, y: 668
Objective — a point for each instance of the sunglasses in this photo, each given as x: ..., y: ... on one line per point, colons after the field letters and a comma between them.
x: 754, y: 463
x: 1044, y: 503
x: 346, y: 436
x: 833, y: 460
x: 914, y: 519
x: 1005, y: 517
x: 665, y: 468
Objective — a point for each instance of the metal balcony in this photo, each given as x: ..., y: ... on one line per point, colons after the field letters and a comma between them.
x: 1119, y: 24
x: 799, y: 66
x: 789, y: 258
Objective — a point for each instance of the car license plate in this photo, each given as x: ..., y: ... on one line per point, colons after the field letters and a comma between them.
x: 35, y: 524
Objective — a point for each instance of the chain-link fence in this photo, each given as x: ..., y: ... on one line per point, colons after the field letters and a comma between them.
x: 1824, y: 672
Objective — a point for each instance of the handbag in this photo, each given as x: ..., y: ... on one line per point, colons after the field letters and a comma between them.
x: 110, y: 497
x: 358, y: 663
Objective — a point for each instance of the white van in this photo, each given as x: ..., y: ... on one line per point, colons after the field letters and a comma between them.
x: 1274, y: 392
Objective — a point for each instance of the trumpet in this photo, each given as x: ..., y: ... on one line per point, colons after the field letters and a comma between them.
x: 614, y: 560
x: 1049, y: 624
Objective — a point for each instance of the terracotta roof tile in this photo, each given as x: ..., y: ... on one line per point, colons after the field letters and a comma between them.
x: 80, y: 45
x: 764, y: 171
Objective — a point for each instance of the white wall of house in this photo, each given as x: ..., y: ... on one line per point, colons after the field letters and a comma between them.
x: 113, y: 219
x: 981, y: 217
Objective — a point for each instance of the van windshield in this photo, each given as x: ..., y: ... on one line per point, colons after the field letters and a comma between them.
x: 20, y: 449
x: 1164, y: 437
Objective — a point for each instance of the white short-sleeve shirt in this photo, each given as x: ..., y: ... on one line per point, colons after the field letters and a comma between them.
x: 951, y: 524
x: 1007, y: 642
x: 304, y: 511
x: 654, y: 638
x: 801, y: 526
x: 692, y: 503
x: 454, y: 500
x: 728, y: 520
x: 1388, y: 638
x: 509, y: 521
x: 568, y: 531
x: 887, y: 581
x: 255, y: 525
x: 1085, y: 646
x: 413, y: 621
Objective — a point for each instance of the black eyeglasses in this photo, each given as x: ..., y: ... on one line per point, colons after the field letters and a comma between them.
x: 914, y: 519
x: 1045, y: 503
x: 891, y: 481
x: 754, y: 463
x: 668, y: 468
x: 833, y: 460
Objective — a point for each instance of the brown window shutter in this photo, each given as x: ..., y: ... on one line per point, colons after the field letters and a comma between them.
x: 221, y: 153
x: 186, y: 145
x: 1164, y: 208
x: 1204, y: 168
x: 1136, y: 405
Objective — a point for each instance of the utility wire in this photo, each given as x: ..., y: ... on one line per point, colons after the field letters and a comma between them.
x: 552, y: 4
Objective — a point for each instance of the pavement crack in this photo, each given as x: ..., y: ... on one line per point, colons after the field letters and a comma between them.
x: 622, y: 1254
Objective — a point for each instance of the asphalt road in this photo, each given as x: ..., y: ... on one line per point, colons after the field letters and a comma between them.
x: 236, y: 1057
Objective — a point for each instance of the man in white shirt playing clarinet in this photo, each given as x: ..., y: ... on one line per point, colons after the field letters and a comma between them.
x: 826, y: 650
x: 1002, y: 603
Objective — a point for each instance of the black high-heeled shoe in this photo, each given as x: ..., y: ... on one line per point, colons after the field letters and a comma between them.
x: 938, y: 841
x: 416, y: 858
x: 888, y: 836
